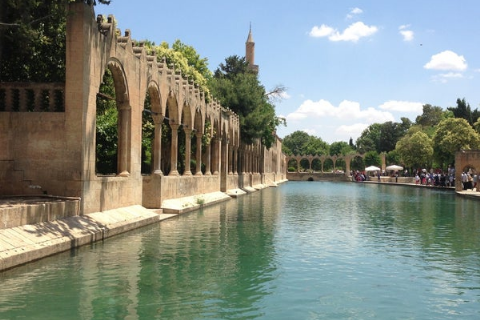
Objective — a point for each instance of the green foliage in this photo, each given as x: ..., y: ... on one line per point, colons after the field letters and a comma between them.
x: 431, y: 116
x: 106, y: 128
x: 184, y: 58
x: 372, y: 159
x: 340, y: 148
x: 369, y: 139
x: 393, y: 157
x: 463, y: 111
x: 453, y: 135
x: 382, y: 137
x: 301, y: 143
x: 415, y: 149
x: 239, y: 89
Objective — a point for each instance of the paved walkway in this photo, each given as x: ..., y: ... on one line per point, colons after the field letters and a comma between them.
x: 27, y: 243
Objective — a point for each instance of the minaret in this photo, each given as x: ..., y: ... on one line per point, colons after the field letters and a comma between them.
x: 250, y: 52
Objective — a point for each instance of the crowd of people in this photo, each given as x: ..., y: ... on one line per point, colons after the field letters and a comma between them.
x: 437, y: 178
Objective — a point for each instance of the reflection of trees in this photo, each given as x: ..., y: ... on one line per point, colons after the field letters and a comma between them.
x: 422, y: 219
x: 200, y: 263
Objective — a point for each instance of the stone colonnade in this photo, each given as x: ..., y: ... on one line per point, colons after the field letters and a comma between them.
x: 55, y: 152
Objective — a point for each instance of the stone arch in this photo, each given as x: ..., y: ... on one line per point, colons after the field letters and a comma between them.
x: 198, y: 127
x: 170, y: 136
x: 123, y: 117
x: 316, y: 164
x: 215, y: 143
x: 209, y: 132
x: 292, y: 163
x: 151, y: 153
x: 185, y: 139
x: 328, y: 164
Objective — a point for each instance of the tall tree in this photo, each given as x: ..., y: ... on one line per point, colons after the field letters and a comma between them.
x: 340, y: 148
x: 452, y: 135
x: 33, y: 40
x: 463, y: 111
x: 416, y: 150
x: 369, y: 140
x: 301, y: 143
x: 431, y: 116
x: 238, y: 88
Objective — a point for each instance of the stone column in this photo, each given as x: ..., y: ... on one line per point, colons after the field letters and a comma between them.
x: 230, y: 159
x: 188, y: 151
x: 123, y: 145
x: 157, y: 145
x: 217, y: 154
x: 208, y: 160
x: 199, y: 154
x: 174, y: 150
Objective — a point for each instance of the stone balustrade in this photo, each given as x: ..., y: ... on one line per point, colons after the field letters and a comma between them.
x: 32, y: 97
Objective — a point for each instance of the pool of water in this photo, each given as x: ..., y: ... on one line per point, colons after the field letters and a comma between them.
x: 304, y: 250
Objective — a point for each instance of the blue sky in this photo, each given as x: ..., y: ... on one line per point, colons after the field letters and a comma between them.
x: 345, y: 64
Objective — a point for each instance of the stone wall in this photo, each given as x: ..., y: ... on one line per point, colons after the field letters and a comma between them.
x: 466, y: 160
x: 49, y: 145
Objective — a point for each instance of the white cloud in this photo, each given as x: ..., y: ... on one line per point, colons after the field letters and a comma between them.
x: 444, y: 77
x: 447, y: 60
x: 403, y: 106
x: 354, y: 12
x: 346, y: 110
x: 322, y: 31
x: 311, y: 132
x: 354, y: 130
x: 406, y: 34
x: 353, y: 33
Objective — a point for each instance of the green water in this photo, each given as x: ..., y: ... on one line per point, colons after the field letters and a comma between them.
x: 304, y: 250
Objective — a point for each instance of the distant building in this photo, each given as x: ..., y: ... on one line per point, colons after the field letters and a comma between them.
x: 250, y: 52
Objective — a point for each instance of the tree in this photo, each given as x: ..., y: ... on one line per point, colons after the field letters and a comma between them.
x: 431, y: 116
x: 415, y: 150
x: 463, y: 111
x: 301, y: 143
x: 452, y: 135
x: 340, y: 148
x: 238, y: 88
x: 372, y: 159
x: 33, y: 40
x: 369, y: 140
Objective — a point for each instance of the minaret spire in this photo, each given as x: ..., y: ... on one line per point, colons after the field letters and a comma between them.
x: 250, y: 51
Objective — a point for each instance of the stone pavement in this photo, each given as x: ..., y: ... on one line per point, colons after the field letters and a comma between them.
x: 28, y: 242
x: 31, y: 242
